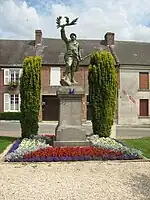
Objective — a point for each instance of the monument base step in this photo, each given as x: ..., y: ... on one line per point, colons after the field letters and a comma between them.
x: 71, y: 143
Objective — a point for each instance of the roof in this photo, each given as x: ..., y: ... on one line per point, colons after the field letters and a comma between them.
x: 14, y: 51
x: 126, y: 52
x: 129, y: 52
x: 55, y: 49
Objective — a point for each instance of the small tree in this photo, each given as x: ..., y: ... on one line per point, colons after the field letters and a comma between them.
x: 102, y: 79
x: 30, y: 91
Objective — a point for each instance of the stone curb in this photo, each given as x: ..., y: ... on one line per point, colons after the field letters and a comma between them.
x: 133, y: 127
x: 9, y: 121
x: 129, y: 137
x: 17, y: 121
x: 100, y: 161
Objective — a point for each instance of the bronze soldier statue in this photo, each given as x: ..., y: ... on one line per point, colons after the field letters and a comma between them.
x: 73, y: 55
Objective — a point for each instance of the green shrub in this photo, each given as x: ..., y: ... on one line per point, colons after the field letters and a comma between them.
x: 102, y: 79
x: 30, y: 91
x: 10, y: 116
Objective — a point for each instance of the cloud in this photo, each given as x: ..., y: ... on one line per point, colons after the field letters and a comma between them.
x: 129, y: 20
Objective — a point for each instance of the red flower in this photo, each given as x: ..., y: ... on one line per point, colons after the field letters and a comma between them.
x: 71, y: 152
x: 48, y: 135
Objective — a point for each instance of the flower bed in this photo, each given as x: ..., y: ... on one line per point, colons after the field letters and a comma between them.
x: 14, y: 146
x: 109, y: 143
x: 40, y: 149
x: 72, y: 153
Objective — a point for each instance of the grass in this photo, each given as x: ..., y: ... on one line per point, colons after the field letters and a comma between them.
x: 4, y: 142
x: 142, y: 144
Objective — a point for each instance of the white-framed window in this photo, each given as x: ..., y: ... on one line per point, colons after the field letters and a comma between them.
x: 11, y: 102
x: 11, y: 75
x: 14, y: 75
x: 55, y: 76
x: 14, y: 102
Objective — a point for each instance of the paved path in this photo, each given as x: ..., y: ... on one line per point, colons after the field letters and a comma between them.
x: 13, y: 129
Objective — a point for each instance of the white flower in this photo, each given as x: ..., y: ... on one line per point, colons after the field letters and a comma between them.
x: 26, y: 146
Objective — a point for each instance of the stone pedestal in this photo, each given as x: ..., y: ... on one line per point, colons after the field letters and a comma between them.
x: 69, y: 131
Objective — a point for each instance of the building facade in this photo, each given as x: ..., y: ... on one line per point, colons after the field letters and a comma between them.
x: 132, y: 65
x: 134, y: 97
x: 134, y: 93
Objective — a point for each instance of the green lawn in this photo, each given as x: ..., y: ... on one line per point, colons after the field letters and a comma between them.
x: 4, y: 142
x: 142, y: 144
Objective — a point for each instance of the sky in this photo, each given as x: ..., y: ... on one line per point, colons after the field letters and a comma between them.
x: 128, y: 19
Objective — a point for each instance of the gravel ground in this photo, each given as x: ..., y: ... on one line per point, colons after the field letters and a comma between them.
x: 75, y: 181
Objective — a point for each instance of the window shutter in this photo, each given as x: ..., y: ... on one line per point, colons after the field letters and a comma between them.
x: 6, y: 102
x: 144, y: 110
x: 6, y: 76
x: 55, y: 75
x: 20, y: 72
x: 144, y: 80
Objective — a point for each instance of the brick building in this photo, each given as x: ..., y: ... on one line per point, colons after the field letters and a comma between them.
x: 131, y: 58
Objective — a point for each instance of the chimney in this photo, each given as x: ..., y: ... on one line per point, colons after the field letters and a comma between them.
x: 109, y: 38
x: 38, y: 37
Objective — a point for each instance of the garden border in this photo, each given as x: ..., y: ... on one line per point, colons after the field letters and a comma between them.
x: 100, y: 161
x: 2, y: 159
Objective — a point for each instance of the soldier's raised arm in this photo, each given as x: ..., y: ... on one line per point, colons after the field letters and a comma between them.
x: 63, y: 34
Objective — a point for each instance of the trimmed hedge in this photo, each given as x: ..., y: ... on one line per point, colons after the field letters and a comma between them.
x: 102, y: 79
x: 30, y: 93
x: 10, y: 115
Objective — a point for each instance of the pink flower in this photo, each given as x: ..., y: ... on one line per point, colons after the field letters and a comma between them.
x: 48, y: 135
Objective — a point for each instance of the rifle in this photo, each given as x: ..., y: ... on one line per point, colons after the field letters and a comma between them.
x: 85, y: 57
